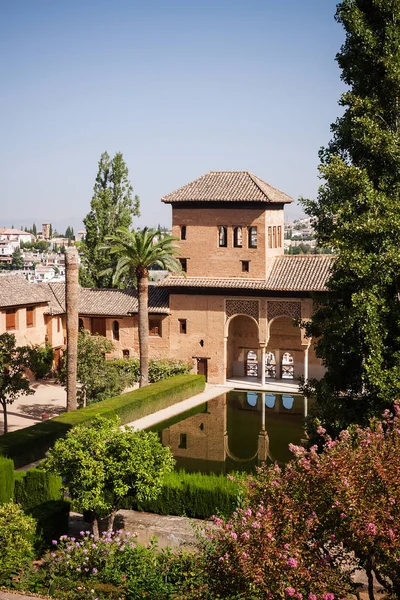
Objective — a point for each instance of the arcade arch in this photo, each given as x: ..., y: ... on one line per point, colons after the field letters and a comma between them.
x: 242, y: 346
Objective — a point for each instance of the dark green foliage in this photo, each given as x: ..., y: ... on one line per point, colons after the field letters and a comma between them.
x: 41, y: 360
x: 6, y: 480
x: 158, y: 369
x: 193, y: 495
x: 39, y: 494
x: 17, y: 259
x: 112, y: 206
x: 31, y: 443
x: 358, y: 215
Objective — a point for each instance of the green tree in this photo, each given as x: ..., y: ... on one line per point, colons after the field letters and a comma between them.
x: 34, y: 230
x: 96, y: 375
x: 17, y: 259
x: 100, y: 464
x: 112, y: 206
x: 51, y: 231
x: 17, y: 538
x: 358, y: 216
x: 69, y: 233
x: 137, y: 251
x: 13, y: 383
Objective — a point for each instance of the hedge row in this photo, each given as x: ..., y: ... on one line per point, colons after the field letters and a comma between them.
x: 30, y: 444
x: 193, y: 495
x: 39, y: 494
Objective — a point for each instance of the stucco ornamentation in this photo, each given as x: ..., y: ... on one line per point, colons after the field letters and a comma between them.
x: 242, y: 307
x: 281, y: 308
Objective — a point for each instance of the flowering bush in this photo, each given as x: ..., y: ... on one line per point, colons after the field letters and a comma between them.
x: 116, y: 567
x: 307, y: 528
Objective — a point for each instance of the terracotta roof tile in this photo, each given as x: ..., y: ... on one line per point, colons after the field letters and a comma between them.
x: 108, y: 302
x: 15, y: 290
x: 228, y: 186
x: 305, y: 273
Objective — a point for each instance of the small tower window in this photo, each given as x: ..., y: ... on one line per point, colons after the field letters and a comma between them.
x: 183, y: 262
x: 81, y: 325
x: 115, y: 331
x: 182, y: 326
x: 252, y: 241
x: 237, y: 237
x: 183, y: 232
x: 245, y: 266
x: 222, y: 237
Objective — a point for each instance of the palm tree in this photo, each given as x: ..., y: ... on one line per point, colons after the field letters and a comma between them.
x: 137, y: 251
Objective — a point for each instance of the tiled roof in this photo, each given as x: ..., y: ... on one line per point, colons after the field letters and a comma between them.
x: 228, y: 186
x: 15, y: 290
x: 304, y: 273
x: 307, y: 272
x: 108, y: 302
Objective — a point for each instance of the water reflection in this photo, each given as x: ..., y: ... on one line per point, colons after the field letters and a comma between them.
x: 237, y: 431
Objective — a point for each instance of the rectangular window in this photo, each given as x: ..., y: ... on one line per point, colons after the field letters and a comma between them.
x: 245, y: 266
x: 252, y: 241
x: 269, y: 237
x: 183, y: 262
x: 11, y: 319
x: 155, y: 327
x: 274, y: 237
x: 183, y: 232
x: 30, y: 311
x: 183, y: 440
x: 125, y: 353
x: 279, y: 236
x: 182, y: 326
x: 98, y: 326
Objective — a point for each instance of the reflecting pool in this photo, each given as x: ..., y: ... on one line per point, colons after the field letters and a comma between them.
x: 236, y: 431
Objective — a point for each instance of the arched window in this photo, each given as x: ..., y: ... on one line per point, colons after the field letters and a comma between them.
x: 270, y: 400
x: 222, y: 237
x: 252, y: 241
x: 183, y: 232
x: 81, y: 325
x: 115, y: 330
x: 237, y: 237
x: 251, y: 364
x: 270, y: 365
x: 287, y: 366
x: 287, y: 401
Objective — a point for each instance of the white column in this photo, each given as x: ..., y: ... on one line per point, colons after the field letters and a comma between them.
x: 263, y: 366
x: 306, y: 364
x: 225, y: 357
x: 263, y: 411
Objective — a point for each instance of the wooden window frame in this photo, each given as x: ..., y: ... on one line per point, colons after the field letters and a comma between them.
x: 274, y: 237
x: 279, y: 236
x: 155, y: 330
x: 11, y: 319
x: 30, y: 322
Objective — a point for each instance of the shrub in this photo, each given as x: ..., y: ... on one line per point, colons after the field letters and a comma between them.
x: 6, y: 480
x: 17, y: 534
x: 41, y: 360
x: 30, y: 444
x: 158, y: 369
x: 116, y: 567
x: 326, y: 512
x: 193, y: 495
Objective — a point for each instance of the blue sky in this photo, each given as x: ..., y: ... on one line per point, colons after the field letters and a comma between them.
x: 181, y: 87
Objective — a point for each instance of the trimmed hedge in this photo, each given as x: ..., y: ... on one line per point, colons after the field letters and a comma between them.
x: 39, y: 493
x: 193, y: 495
x: 30, y: 444
x: 6, y: 480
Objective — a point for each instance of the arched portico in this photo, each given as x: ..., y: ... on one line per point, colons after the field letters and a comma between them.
x: 285, y: 349
x: 242, y: 335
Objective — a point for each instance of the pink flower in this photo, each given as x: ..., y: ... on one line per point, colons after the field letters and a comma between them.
x: 290, y: 591
x: 246, y: 535
x: 312, y: 596
x: 371, y: 529
x: 328, y: 596
x: 292, y: 563
x: 233, y: 535
x: 321, y: 430
x: 391, y: 533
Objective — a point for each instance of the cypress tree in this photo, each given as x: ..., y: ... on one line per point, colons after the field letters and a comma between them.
x: 358, y: 216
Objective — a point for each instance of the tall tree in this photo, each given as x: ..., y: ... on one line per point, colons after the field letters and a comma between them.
x: 112, y: 206
x: 17, y: 259
x: 13, y: 383
x: 34, y: 229
x: 137, y: 251
x: 358, y: 215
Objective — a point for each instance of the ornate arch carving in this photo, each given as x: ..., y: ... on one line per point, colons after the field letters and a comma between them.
x: 283, y: 308
x: 240, y: 306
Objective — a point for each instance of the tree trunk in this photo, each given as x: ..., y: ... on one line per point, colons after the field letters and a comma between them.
x: 71, y: 301
x: 95, y: 529
x: 111, y: 519
x: 143, y: 298
x: 5, y: 416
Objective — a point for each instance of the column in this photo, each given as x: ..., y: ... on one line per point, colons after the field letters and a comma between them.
x: 263, y: 411
x: 225, y: 357
x: 263, y: 366
x: 306, y: 364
